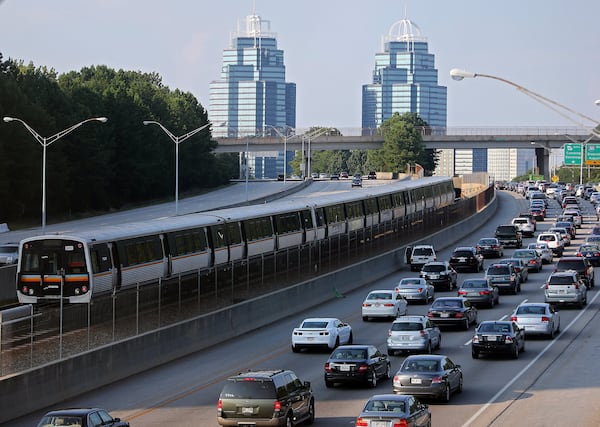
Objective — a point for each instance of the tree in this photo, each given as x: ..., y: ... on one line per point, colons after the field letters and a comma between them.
x: 403, y: 145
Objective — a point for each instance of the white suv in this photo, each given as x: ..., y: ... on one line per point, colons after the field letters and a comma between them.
x: 564, y: 287
x: 554, y: 242
x: 525, y: 225
x: 420, y: 255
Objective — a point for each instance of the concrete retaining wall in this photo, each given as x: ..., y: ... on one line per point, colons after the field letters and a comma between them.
x: 45, y: 386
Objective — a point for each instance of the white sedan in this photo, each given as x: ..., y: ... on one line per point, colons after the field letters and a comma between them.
x: 384, y: 303
x: 537, y: 318
x: 321, y: 332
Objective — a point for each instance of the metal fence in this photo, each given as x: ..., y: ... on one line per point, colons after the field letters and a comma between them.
x: 54, y: 331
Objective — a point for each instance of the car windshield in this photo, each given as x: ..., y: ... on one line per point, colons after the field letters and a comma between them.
x: 487, y: 242
x: 498, y: 269
x: 576, y: 265
x: 423, y: 251
x: 463, y: 253
x: 531, y: 309
x: 420, y: 366
x: 449, y: 303
x: 349, y: 354
x: 410, y: 281
x: 247, y: 388
x: 314, y: 325
x: 385, y: 406
x: 474, y: 284
x: 494, y: 327
x: 51, y: 421
x: 407, y: 326
x: 434, y: 268
x: 380, y: 295
x: 561, y: 280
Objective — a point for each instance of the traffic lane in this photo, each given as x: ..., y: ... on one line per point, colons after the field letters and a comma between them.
x: 188, y: 389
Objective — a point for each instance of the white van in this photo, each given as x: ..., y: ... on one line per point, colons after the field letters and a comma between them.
x: 420, y: 255
x: 554, y: 241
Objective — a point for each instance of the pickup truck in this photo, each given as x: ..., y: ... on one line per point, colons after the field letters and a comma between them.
x: 509, y: 235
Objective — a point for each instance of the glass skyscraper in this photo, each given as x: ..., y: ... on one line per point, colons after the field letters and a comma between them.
x: 252, y: 96
x: 405, y: 80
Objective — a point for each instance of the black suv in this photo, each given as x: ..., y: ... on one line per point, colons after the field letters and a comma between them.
x: 509, y: 235
x: 266, y: 398
x: 579, y: 264
x: 467, y: 258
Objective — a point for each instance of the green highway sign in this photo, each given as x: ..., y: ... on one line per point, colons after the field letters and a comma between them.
x: 592, y: 154
x: 573, y: 154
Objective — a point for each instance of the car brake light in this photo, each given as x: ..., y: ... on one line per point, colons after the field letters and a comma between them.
x: 508, y: 339
x: 458, y: 315
x: 363, y: 367
x: 437, y: 380
x: 545, y: 319
x: 327, y: 368
x: 420, y: 290
x: 220, y: 405
x: 476, y: 339
x: 429, y: 314
x: 578, y: 254
x: 400, y: 423
x: 513, y: 318
x: 277, y: 405
x: 461, y: 292
x: 484, y: 292
x: 388, y: 305
x: 361, y: 423
x: 422, y: 333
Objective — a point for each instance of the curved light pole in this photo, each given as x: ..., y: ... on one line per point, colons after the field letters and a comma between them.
x: 177, y: 140
x: 458, y: 74
x: 285, y: 139
x: 45, y: 142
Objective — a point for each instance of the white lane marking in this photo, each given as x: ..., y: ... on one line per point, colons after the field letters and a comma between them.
x: 526, y: 368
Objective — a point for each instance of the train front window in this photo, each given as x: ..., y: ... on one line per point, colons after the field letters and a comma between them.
x: 52, y: 257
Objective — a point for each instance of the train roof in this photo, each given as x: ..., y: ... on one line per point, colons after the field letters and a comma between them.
x: 202, y: 219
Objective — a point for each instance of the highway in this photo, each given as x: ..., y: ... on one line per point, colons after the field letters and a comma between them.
x: 550, y: 384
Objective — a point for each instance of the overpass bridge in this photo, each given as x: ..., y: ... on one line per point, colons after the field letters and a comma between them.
x: 542, y: 139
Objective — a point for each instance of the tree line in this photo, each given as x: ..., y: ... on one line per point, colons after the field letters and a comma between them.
x: 98, y: 167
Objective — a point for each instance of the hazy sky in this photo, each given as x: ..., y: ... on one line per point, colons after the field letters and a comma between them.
x: 548, y: 46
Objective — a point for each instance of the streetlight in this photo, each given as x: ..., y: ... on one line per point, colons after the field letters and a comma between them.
x: 458, y: 74
x: 177, y: 140
x: 45, y: 142
x: 285, y: 139
x: 312, y: 135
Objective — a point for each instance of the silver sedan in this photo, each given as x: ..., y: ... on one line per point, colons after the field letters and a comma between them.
x: 416, y: 289
x: 537, y: 318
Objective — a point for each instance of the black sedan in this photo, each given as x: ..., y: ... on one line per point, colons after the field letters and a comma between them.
x: 490, y: 247
x: 357, y: 364
x: 479, y: 292
x: 84, y: 417
x: 498, y: 336
x: 428, y: 375
x: 453, y: 311
x: 591, y: 251
x: 394, y: 410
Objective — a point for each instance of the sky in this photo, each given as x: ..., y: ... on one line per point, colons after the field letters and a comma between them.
x: 550, y: 47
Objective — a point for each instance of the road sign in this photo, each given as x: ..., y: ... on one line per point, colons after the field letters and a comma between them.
x: 592, y: 154
x: 573, y: 154
x: 555, y: 178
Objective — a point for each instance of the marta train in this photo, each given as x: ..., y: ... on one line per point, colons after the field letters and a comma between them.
x: 79, y: 266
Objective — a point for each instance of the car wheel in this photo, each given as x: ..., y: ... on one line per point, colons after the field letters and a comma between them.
x: 365, y: 318
x: 391, y: 352
x: 466, y: 324
x: 328, y: 383
x: 337, y: 342
x: 311, y: 413
x: 350, y: 338
x: 428, y: 348
x: 373, y: 379
x: 474, y: 354
x: 446, y: 395
x: 439, y: 343
x: 460, y: 385
x: 388, y: 371
x: 492, y: 302
x: 516, y: 352
x: 295, y: 348
x: 551, y: 334
x: 289, y: 422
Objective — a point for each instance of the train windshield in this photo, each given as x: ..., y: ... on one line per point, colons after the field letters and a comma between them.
x: 53, y: 256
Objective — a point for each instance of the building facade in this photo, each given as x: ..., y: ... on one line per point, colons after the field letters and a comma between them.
x: 405, y: 80
x: 252, y: 98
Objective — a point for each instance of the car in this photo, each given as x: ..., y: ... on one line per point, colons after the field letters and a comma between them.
x: 595, y: 230
x: 364, y: 364
x: 537, y: 213
x: 595, y: 198
x: 9, y: 253
x: 490, y: 247
x: 274, y: 397
x: 591, y: 252
x: 531, y: 258
x: 569, y: 200
x: 543, y: 250
x: 569, y: 226
x: 593, y: 238
x: 394, y: 410
x: 383, y: 303
x: 314, y: 175
x: 416, y: 289
x: 413, y: 333
x: 525, y: 225
x: 419, y: 255
x: 334, y: 176
x: 321, y: 332
x: 520, y: 267
x: 576, y: 214
x: 372, y: 175
x: 344, y: 175
x: 554, y: 242
x: 531, y: 218
x: 323, y: 175
x: 565, y: 287
x: 432, y: 375
x: 479, y: 292
x: 81, y: 417
x: 563, y: 233
x: 440, y: 274
x: 509, y: 235
x: 498, y: 336
x: 504, y: 277
x: 466, y: 258
x: 579, y: 264
x: 356, y: 182
x: 537, y: 318
x: 452, y: 311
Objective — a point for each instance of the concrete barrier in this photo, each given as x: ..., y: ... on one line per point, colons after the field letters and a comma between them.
x: 52, y: 383
x: 4, y: 227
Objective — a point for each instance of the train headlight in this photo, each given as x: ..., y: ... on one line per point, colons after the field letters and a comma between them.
x: 77, y: 291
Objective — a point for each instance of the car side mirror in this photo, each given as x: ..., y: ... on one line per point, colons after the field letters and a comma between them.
x: 307, y: 384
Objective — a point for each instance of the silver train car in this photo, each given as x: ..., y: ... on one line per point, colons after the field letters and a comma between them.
x: 81, y: 265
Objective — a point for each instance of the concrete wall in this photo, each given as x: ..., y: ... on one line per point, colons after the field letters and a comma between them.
x: 50, y: 384
x: 8, y: 276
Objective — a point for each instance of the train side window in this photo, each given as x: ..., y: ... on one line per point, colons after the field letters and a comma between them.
x: 100, y: 257
x: 320, y: 217
x: 384, y: 202
x: 354, y: 210
x: 334, y: 213
x: 371, y: 206
x: 307, y: 222
x: 234, y: 234
x: 287, y: 223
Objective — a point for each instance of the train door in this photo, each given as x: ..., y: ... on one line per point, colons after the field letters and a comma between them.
x: 104, y: 273
x: 219, y: 244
